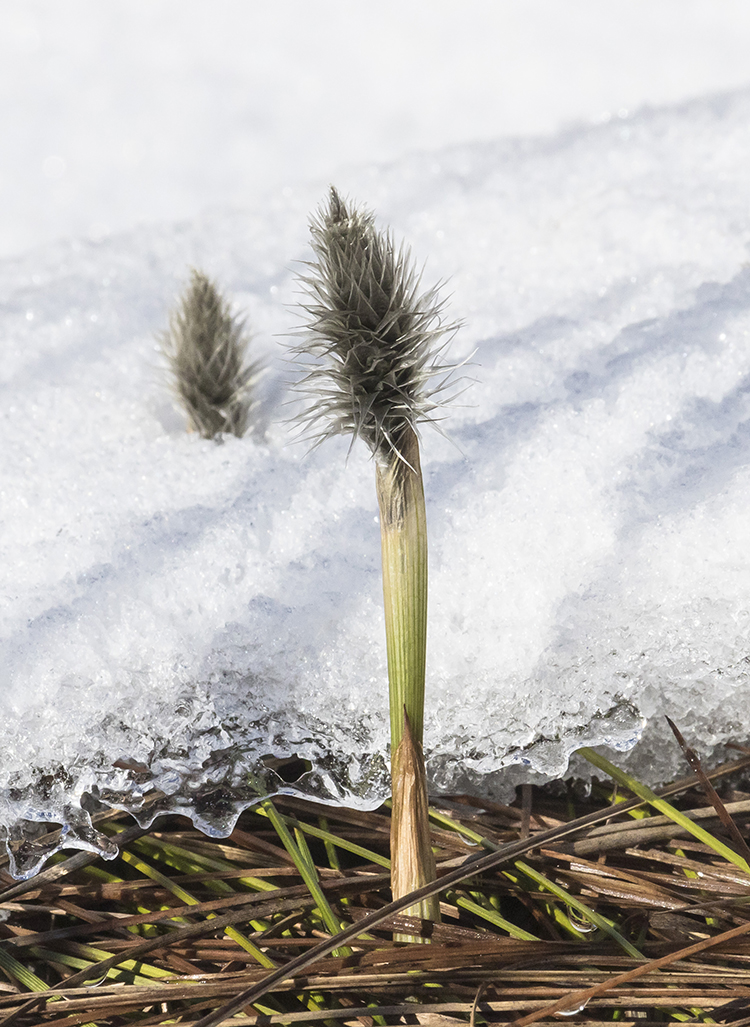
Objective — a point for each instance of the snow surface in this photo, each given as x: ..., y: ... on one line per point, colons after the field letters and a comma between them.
x: 173, y: 609
x: 134, y: 110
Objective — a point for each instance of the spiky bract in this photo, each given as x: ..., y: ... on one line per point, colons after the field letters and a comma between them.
x: 371, y: 333
x: 206, y: 348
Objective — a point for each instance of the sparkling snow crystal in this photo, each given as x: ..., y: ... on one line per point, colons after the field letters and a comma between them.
x: 174, y: 609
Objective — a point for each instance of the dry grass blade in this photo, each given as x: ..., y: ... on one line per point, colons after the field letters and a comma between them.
x: 648, y: 831
x: 578, y: 1000
x: 693, y: 759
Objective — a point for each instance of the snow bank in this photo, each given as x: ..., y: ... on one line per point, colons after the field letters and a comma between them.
x: 174, y: 609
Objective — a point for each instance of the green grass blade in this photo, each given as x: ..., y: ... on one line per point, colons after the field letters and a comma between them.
x: 602, y: 922
x: 454, y: 825
x: 189, y: 900
x: 331, y: 853
x: 126, y: 969
x: 489, y: 915
x: 188, y: 862
x: 304, y: 863
x: 156, y: 875
x: 135, y: 966
x: 570, y: 900
x: 645, y: 793
x: 340, y: 843
x: 23, y: 975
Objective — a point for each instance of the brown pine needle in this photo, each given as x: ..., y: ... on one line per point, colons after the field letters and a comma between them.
x: 711, y: 794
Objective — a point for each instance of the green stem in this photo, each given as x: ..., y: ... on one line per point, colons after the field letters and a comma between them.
x: 403, y: 533
x: 403, y: 536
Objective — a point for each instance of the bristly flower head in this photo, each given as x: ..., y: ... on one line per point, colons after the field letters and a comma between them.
x: 206, y: 346
x: 371, y: 333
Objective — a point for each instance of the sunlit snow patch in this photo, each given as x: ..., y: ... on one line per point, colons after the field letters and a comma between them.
x: 173, y: 610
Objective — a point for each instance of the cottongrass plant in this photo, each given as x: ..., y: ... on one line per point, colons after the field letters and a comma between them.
x: 372, y: 348
x: 206, y: 347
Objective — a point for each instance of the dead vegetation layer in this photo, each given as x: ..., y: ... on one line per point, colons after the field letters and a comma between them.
x: 594, y: 908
